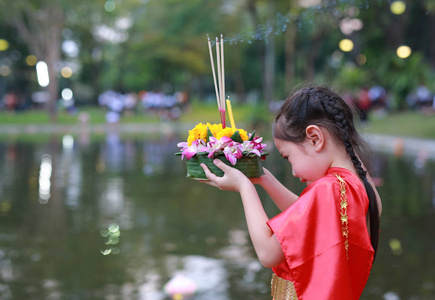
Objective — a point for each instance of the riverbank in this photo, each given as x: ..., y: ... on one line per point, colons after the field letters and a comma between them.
x: 400, y: 145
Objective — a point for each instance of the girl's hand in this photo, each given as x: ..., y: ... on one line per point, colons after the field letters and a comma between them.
x: 262, y: 179
x: 233, y: 179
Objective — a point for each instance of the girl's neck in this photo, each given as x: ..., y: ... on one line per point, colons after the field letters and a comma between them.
x: 342, y: 160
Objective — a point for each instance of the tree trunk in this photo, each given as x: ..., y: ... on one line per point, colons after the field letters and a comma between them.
x: 269, y: 61
x: 41, y: 30
x: 431, y: 41
x: 290, y: 36
x: 239, y: 85
x: 252, y: 9
x: 53, y: 57
x: 312, y: 55
x: 269, y: 69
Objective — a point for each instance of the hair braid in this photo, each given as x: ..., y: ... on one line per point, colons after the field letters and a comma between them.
x: 332, y: 107
x: 322, y: 107
x: 334, y: 111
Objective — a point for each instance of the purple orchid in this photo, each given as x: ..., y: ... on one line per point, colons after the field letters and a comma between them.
x: 233, y: 152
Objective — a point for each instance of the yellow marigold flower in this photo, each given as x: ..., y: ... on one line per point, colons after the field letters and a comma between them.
x: 243, y: 134
x: 198, y: 132
x: 228, y: 131
x: 214, y: 128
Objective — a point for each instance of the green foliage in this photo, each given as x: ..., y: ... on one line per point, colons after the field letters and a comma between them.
x: 402, y: 76
x: 236, y: 137
x: 351, y: 76
x: 164, y: 46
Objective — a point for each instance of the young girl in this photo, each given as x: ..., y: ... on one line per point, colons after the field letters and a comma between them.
x: 323, y: 243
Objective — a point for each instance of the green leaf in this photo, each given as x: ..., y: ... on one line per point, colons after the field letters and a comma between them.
x: 252, y: 136
x: 209, y: 134
x: 236, y: 137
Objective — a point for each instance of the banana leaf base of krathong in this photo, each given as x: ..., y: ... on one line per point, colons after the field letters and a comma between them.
x: 250, y: 166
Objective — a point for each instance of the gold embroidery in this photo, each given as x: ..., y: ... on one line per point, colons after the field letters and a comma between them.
x: 282, y: 289
x: 343, y: 214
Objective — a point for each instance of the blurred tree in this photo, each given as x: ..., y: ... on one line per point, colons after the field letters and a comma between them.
x: 39, y: 24
x: 271, y: 46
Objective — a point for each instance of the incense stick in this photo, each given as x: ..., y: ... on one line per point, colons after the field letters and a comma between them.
x: 223, y: 72
x: 214, y: 75
x: 222, y: 104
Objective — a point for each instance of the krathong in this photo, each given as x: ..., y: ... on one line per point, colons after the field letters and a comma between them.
x: 232, y: 143
x: 234, y: 146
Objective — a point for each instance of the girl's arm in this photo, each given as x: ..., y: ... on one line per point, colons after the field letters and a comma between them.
x: 265, y: 243
x: 283, y: 197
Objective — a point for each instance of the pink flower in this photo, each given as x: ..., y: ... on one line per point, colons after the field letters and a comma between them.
x: 180, y: 285
x: 233, y: 152
x: 255, y: 146
x: 188, y: 152
x: 215, y: 145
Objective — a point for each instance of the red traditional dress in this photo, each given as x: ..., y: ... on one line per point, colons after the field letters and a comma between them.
x: 327, y: 249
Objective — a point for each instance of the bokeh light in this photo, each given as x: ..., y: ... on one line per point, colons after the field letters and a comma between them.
x: 361, y: 59
x: 345, y: 45
x: 67, y: 94
x: 4, y: 45
x: 404, y: 51
x: 5, y: 71
x: 395, y: 246
x: 398, y: 7
x: 66, y: 72
x: 309, y: 3
x: 42, y: 73
x: 67, y: 141
x: 349, y: 25
x: 45, y: 173
x: 31, y: 60
x: 112, y: 235
x: 110, y: 5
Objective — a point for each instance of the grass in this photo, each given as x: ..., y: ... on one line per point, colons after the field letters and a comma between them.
x: 405, y: 124
x: 408, y: 123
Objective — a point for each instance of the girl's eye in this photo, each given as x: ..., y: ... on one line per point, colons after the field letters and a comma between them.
x: 285, y: 157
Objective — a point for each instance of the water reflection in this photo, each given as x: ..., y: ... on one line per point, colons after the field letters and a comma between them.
x: 115, y: 218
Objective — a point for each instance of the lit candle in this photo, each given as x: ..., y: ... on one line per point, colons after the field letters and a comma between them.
x: 230, y: 113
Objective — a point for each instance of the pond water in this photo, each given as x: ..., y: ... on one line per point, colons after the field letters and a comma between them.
x: 114, y: 217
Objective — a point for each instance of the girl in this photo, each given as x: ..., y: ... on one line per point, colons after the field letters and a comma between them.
x: 323, y: 243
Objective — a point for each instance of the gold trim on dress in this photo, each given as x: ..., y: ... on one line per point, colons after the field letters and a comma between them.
x: 343, y: 214
x: 282, y: 289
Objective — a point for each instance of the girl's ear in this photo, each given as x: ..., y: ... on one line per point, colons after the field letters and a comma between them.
x: 315, y: 137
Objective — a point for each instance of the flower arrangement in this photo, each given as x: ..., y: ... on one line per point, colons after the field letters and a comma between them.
x: 213, y: 140
x: 231, y: 145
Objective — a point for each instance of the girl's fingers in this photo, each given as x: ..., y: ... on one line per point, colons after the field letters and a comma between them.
x: 218, y: 163
x: 209, y: 182
x: 208, y: 173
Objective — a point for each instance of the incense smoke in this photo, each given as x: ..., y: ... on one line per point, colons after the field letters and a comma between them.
x: 280, y: 23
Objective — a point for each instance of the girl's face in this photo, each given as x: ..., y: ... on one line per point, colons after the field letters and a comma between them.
x: 307, y: 164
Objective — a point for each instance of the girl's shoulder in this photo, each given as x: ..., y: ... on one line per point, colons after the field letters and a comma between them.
x: 337, y: 175
x: 333, y: 180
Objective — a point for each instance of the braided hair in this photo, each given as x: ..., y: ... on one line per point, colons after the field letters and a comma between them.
x: 322, y: 107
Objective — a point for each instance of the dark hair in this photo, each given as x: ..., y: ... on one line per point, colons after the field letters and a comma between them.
x: 322, y: 107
